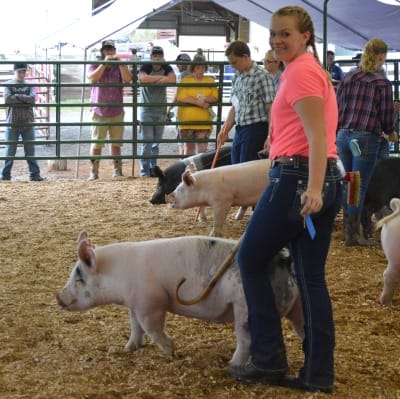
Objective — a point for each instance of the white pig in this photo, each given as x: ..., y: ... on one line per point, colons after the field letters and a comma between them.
x: 143, y: 276
x: 220, y: 188
x: 390, y: 238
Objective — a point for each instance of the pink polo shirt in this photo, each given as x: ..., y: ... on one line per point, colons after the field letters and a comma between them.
x: 302, y: 78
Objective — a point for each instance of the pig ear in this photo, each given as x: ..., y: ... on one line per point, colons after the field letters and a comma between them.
x: 158, y: 172
x: 191, y: 167
x: 394, y: 204
x: 83, y: 235
x: 187, y: 178
x: 86, y: 254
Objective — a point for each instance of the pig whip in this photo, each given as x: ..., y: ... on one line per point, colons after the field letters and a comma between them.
x: 224, y: 266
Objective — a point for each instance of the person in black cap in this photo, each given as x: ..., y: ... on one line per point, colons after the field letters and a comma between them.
x: 112, y: 114
x: 183, y: 60
x: 153, y: 118
x: 20, y: 99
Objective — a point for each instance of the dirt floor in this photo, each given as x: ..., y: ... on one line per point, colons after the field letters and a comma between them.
x: 49, y: 353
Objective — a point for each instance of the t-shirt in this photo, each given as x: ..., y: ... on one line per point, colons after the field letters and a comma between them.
x: 302, y: 78
x: 154, y: 93
x: 107, y: 94
x: 193, y: 113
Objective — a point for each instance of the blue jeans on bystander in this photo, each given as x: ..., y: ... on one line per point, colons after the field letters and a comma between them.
x: 371, y: 147
x: 28, y: 136
x: 247, y: 141
x: 152, y: 133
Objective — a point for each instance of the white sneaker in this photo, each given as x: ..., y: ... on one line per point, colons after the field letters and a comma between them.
x: 117, y: 174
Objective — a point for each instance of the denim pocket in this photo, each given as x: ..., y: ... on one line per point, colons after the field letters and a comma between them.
x: 273, y: 186
x: 300, y: 188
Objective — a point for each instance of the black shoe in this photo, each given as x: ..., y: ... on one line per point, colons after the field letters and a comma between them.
x: 296, y: 383
x: 37, y: 178
x: 250, y: 373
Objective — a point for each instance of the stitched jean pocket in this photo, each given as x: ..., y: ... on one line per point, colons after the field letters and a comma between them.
x: 300, y: 188
x: 273, y: 186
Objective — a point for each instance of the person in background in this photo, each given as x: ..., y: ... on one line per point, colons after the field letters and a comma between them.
x: 298, y: 208
x: 153, y: 79
x: 19, y: 100
x: 252, y: 95
x: 113, y: 113
x: 273, y: 66
x: 334, y: 69
x: 183, y: 67
x: 197, y: 106
x: 135, y: 57
x: 365, y: 101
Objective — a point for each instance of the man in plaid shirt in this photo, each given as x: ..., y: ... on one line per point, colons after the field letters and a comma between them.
x: 252, y: 95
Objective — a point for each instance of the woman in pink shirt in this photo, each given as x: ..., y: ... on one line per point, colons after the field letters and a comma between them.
x: 297, y: 209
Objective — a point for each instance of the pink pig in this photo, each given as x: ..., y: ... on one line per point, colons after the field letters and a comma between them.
x: 143, y: 276
x: 390, y: 238
x: 220, y: 188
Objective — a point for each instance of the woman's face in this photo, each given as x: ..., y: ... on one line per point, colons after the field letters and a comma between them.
x: 286, y: 40
x: 198, y: 71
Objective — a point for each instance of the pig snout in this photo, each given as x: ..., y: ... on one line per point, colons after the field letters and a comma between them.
x: 170, y: 199
x: 62, y: 302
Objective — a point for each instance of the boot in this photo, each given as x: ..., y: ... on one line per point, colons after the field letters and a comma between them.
x: 352, y: 236
x: 117, y: 168
x: 94, y: 169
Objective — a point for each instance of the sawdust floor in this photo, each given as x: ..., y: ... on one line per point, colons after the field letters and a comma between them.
x: 49, y: 353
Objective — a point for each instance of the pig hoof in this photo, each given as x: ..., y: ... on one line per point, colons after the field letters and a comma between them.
x: 240, y: 213
x: 385, y: 302
x: 132, y: 347
x: 168, y: 347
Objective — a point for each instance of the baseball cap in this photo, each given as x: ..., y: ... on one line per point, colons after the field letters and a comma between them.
x: 183, y: 57
x: 107, y: 43
x: 20, y: 67
x: 157, y: 50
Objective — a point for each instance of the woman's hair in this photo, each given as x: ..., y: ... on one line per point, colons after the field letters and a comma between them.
x: 304, y: 24
x: 198, y: 60
x: 238, y: 49
x: 372, y: 50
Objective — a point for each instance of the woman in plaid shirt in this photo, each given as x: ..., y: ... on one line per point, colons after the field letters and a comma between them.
x: 365, y: 102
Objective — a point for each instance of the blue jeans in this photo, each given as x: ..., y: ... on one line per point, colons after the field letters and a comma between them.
x: 370, y: 146
x: 153, y: 133
x: 247, y: 141
x: 275, y: 223
x: 13, y: 134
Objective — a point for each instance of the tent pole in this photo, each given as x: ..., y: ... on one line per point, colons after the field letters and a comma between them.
x: 81, y: 116
x: 325, y: 32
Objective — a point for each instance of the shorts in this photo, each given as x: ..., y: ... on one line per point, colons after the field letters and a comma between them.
x: 194, y: 134
x: 114, y: 132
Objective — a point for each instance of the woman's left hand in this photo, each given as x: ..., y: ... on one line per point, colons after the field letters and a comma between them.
x: 311, y: 201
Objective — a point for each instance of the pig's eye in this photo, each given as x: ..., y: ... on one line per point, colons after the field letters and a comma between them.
x: 79, y: 277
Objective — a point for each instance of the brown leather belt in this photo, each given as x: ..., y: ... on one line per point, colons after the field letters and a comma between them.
x: 296, y: 161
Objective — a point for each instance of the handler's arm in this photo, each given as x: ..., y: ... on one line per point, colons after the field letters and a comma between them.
x: 227, y: 126
x: 311, y: 113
